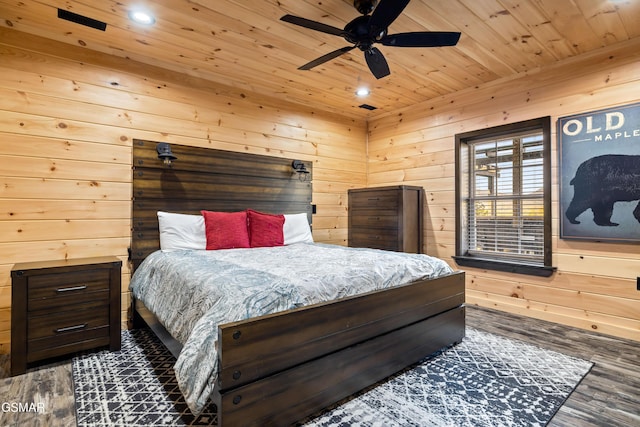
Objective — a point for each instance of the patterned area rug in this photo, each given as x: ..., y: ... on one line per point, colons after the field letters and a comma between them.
x: 487, y: 380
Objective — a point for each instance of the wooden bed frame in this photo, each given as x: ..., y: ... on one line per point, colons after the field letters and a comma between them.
x: 280, y: 368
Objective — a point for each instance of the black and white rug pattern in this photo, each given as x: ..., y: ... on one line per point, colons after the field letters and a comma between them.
x: 135, y: 386
x: 487, y: 380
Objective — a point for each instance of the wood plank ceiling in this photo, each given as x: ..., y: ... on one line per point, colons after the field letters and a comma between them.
x: 243, y: 44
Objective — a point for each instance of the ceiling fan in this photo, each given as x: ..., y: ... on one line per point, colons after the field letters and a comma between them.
x: 364, y: 31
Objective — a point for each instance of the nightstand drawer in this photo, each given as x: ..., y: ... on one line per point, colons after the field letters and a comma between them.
x: 52, y: 291
x: 87, y: 317
x: 69, y: 342
x: 54, y: 285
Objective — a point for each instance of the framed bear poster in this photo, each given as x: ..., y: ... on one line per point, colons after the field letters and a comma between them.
x: 599, y: 175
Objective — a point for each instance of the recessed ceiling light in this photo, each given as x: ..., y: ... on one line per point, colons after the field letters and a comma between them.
x: 363, y: 91
x: 141, y: 17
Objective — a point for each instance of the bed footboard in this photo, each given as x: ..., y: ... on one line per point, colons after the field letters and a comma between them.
x: 278, y: 369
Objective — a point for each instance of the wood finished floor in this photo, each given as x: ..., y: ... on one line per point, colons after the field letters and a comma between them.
x: 608, y: 396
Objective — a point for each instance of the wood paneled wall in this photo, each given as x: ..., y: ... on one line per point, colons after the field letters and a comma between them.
x: 68, y: 117
x: 67, y: 120
x: 595, y: 285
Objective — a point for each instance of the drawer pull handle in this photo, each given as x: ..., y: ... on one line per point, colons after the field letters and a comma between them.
x: 70, y: 328
x: 374, y: 237
x: 373, y: 199
x: 71, y: 289
x: 374, y: 218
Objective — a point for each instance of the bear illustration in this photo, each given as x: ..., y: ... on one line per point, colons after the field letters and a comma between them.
x: 600, y: 182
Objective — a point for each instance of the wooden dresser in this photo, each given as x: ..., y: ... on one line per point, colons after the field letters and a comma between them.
x: 387, y: 218
x: 61, y: 307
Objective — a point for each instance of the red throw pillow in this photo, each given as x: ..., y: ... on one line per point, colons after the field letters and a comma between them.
x: 265, y: 229
x: 226, y: 230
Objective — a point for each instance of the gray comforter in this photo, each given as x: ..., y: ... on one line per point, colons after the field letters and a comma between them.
x: 191, y: 292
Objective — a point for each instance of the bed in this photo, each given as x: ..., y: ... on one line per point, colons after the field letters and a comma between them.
x: 305, y: 352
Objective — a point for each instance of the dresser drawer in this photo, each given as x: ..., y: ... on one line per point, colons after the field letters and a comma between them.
x: 374, y: 220
x: 375, y: 243
x: 374, y: 199
x: 374, y: 238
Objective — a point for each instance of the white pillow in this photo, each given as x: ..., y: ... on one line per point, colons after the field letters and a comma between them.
x: 181, y: 231
x: 296, y: 229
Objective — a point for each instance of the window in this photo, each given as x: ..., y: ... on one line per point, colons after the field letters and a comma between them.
x: 503, y: 198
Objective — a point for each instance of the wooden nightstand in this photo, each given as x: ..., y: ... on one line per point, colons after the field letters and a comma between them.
x: 61, y: 307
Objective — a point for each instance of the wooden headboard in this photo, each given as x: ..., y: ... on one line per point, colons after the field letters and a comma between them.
x: 215, y: 180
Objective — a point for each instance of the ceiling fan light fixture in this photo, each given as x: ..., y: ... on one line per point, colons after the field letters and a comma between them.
x: 365, y: 7
x: 363, y: 91
x: 366, y: 30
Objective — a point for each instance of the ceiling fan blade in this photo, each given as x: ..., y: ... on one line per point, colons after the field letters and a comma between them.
x: 376, y: 62
x: 324, y: 58
x: 421, y: 39
x: 313, y: 25
x: 385, y: 13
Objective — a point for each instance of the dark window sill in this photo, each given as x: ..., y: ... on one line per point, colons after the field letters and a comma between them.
x: 508, y: 267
